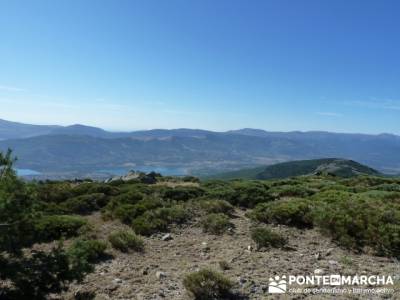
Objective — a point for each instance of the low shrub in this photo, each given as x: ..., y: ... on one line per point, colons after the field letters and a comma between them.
x: 293, y: 212
x: 84, y: 253
x: 120, y: 208
x: 148, y: 223
x: 216, y: 223
x: 95, y: 188
x: 130, y: 197
x: 128, y: 212
x: 264, y: 238
x: 390, y: 187
x: 126, y: 240
x: 85, y: 204
x: 183, y: 193
x: 216, y: 206
x: 54, y: 227
x: 159, y: 219
x: 207, y: 284
x: 360, y: 221
x: 299, y: 190
x: 190, y: 179
x: 249, y: 193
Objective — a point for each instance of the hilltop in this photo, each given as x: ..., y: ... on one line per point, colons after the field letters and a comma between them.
x: 329, y: 166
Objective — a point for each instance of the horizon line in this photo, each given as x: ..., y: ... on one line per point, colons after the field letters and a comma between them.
x: 202, y: 129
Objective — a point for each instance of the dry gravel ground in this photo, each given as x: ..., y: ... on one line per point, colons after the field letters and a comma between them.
x: 134, y: 275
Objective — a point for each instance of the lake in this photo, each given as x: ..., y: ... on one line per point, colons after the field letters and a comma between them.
x: 166, y: 171
x: 26, y: 172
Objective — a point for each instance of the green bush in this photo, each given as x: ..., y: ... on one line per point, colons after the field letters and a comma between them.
x: 390, y: 187
x: 360, y: 221
x: 264, y: 238
x: 85, y: 204
x: 293, y: 212
x: 217, y: 206
x: 159, y: 219
x: 207, y: 284
x: 84, y: 253
x: 130, y: 197
x: 56, y: 192
x: 249, y: 193
x: 127, y: 212
x: 218, y: 189
x: 216, y: 223
x: 95, y: 188
x: 125, y: 241
x: 50, y: 228
x: 190, y: 179
x: 148, y: 223
x: 183, y: 193
x: 299, y: 190
x: 175, y: 214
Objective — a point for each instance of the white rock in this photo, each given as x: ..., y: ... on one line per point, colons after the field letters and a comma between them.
x: 166, y: 237
x: 318, y: 272
x: 329, y: 251
x: 117, y: 280
x: 160, y: 275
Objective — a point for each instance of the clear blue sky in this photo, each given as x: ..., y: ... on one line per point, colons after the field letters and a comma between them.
x: 275, y: 65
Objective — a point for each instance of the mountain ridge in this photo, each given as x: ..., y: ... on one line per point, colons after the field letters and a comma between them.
x: 202, y: 152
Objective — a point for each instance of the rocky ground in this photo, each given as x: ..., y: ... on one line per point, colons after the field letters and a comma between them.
x: 158, y: 272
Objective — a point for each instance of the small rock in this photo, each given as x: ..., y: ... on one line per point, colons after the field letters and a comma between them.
x: 242, y: 280
x: 318, y: 256
x: 160, y: 275
x: 333, y: 262
x: 117, y: 280
x: 319, y: 272
x: 167, y: 237
x: 205, y: 247
x: 249, y: 248
x: 254, y: 290
x: 329, y: 251
x: 112, y: 287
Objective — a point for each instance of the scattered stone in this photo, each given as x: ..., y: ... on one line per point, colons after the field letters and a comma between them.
x: 329, y: 251
x: 319, y: 272
x: 167, y: 237
x: 117, y: 280
x: 205, y: 247
x: 161, y: 275
x: 318, y: 256
x: 254, y: 289
x: 333, y: 262
x: 242, y: 280
x: 112, y: 287
x: 249, y: 248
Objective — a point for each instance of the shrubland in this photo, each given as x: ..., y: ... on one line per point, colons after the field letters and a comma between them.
x: 360, y: 213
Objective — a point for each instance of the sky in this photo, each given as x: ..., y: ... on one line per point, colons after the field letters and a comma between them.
x: 277, y: 65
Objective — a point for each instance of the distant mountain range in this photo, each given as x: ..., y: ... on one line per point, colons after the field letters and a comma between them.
x: 328, y: 166
x: 82, y: 149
